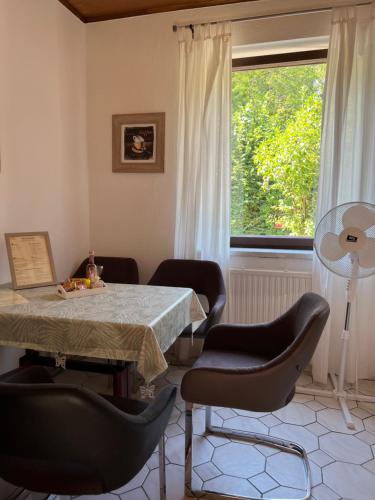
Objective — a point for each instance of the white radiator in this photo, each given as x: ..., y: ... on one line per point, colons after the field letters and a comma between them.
x: 257, y: 296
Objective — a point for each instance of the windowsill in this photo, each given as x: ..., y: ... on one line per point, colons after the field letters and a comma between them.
x: 272, y: 253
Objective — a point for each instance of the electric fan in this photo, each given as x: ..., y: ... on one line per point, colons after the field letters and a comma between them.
x: 345, y: 244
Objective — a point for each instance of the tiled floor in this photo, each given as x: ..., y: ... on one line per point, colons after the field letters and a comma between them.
x: 342, y: 461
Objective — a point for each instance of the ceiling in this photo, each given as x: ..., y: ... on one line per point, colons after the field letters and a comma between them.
x: 102, y: 10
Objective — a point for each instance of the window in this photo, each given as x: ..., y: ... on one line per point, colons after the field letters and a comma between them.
x: 276, y: 122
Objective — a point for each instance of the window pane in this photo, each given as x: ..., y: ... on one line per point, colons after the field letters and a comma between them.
x: 276, y: 125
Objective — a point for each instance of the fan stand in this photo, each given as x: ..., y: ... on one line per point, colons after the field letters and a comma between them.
x: 338, y: 390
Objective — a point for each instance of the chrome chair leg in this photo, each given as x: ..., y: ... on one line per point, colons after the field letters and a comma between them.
x: 162, y: 479
x: 188, y: 448
x: 286, y: 446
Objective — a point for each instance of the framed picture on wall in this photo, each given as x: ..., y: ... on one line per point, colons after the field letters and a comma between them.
x: 138, y: 142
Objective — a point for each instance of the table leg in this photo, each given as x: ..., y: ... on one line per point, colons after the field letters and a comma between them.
x: 121, y: 386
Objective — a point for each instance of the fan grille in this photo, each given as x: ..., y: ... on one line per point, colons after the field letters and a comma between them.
x: 332, y: 222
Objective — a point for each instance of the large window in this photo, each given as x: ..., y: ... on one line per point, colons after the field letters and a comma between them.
x: 276, y: 126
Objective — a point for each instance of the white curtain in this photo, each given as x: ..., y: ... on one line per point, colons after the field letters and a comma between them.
x: 348, y: 174
x: 203, y: 191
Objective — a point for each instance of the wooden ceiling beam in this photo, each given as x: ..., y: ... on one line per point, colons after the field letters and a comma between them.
x: 89, y: 12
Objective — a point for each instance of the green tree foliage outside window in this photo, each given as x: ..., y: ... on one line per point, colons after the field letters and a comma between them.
x: 276, y: 124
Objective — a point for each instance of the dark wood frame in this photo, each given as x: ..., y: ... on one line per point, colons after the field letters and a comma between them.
x: 15, y: 285
x: 276, y: 60
x: 142, y: 10
x: 141, y: 118
x: 274, y: 242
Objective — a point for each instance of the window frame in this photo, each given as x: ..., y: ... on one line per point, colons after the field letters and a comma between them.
x: 273, y: 61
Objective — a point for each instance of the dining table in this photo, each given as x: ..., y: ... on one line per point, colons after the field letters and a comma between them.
x: 136, y: 323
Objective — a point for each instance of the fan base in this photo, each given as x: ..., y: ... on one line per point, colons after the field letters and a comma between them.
x: 341, y: 396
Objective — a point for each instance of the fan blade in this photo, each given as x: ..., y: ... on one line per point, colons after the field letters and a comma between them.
x: 359, y: 216
x: 366, y: 256
x: 330, y: 247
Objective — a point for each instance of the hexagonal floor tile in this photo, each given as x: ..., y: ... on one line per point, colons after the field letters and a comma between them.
x: 231, y: 486
x: 136, y: 482
x: 173, y: 430
x: 322, y: 492
x: 370, y: 466
x: 370, y: 424
x: 247, y: 413
x: 333, y: 402
x: 287, y: 470
x: 137, y: 494
x: 302, y: 398
x: 237, y: 459
x: 202, y: 450
x: 317, y: 429
x: 246, y: 424
x: 296, y: 434
x: 207, y: 471
x: 320, y: 458
x: 199, y: 422
x: 270, y: 420
x: 175, y: 450
x: 316, y: 474
x: 295, y: 413
x: 345, y: 448
x: 367, y: 387
x: 349, y: 481
x: 334, y: 421
x: 263, y: 482
x: 283, y: 493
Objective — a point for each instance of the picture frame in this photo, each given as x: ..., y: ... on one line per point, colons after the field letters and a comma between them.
x: 30, y: 259
x: 138, y: 142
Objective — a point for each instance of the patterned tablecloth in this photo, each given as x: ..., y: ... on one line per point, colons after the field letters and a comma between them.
x: 129, y: 322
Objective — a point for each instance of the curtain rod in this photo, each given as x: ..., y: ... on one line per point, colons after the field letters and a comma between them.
x: 269, y: 16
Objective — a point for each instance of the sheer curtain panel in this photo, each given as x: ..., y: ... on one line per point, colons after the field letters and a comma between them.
x: 203, y: 191
x: 348, y: 174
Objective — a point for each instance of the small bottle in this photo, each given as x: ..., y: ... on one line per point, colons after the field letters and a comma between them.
x: 91, y: 269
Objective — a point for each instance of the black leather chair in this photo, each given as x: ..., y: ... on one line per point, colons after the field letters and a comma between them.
x: 115, y: 270
x: 67, y: 440
x: 204, y: 277
x: 255, y: 368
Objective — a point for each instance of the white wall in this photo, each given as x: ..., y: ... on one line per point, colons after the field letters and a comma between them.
x: 133, y: 68
x: 43, y: 178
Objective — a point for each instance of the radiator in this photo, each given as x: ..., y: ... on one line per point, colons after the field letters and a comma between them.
x: 256, y: 296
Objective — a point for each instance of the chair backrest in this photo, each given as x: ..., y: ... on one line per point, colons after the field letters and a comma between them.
x: 203, y: 276
x: 65, y: 439
x: 293, y: 338
x: 296, y: 335
x: 115, y: 269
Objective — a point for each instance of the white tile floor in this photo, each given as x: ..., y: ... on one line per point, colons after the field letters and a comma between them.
x: 342, y: 461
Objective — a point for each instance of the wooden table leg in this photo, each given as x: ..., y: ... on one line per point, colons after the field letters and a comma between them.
x: 121, y: 386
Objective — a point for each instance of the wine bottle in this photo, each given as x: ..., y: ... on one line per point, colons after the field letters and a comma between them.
x: 91, y: 269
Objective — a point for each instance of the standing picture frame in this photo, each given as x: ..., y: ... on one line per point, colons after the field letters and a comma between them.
x: 138, y: 142
x: 30, y: 259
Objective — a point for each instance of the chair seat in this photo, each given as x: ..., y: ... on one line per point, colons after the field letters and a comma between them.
x: 229, y: 360
x: 211, y: 380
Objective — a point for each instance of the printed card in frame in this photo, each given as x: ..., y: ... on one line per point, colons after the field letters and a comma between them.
x: 138, y: 142
x: 30, y: 259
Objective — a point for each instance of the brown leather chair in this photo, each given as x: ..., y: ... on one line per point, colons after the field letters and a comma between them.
x: 67, y: 440
x: 255, y: 368
x: 204, y: 277
x: 115, y: 270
